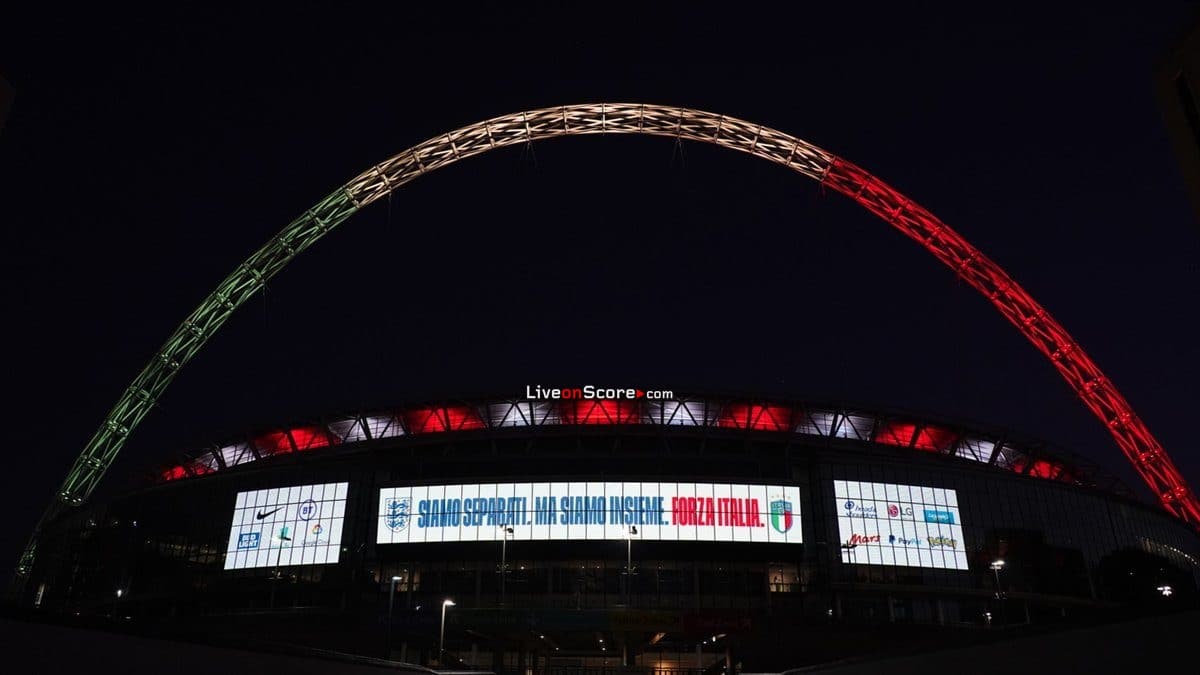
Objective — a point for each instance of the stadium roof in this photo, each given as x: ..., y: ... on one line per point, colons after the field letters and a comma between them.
x: 896, y: 431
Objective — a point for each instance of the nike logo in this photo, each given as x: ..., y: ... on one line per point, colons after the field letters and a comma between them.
x: 262, y: 515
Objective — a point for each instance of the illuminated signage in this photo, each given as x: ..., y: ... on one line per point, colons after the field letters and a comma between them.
x: 299, y: 525
x: 911, y: 525
x: 589, y: 511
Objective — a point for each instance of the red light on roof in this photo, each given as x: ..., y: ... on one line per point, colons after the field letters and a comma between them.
x: 1044, y: 469
x: 600, y: 412
x: 310, y: 438
x: 451, y: 418
x: 200, y: 469
x: 759, y: 417
x: 463, y: 418
x: 174, y: 473
x: 273, y: 443
x: 934, y: 439
x: 896, y: 434
x: 927, y: 438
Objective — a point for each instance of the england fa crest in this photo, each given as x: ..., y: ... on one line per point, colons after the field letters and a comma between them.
x: 397, y: 513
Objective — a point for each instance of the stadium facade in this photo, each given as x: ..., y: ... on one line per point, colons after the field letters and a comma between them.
x: 693, y: 533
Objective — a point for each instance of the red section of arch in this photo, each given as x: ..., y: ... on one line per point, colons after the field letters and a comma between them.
x: 1035, y: 323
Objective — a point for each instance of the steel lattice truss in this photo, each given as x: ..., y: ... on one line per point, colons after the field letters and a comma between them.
x: 1101, y: 397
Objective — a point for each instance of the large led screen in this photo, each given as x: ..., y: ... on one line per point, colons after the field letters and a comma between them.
x: 912, y: 525
x: 299, y: 525
x: 591, y: 511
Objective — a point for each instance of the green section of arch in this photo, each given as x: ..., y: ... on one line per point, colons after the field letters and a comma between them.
x: 187, y: 339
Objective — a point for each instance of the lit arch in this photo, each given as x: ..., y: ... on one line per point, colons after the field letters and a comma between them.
x: 1034, y: 322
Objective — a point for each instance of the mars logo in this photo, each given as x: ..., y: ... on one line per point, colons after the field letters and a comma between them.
x: 397, y: 513
x: 781, y: 515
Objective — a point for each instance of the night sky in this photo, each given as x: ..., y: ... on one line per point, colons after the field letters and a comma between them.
x: 146, y: 155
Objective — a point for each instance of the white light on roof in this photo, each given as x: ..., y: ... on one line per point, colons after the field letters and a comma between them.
x: 678, y: 413
x: 508, y: 414
x: 815, y: 422
x: 383, y: 426
x: 854, y: 426
x: 975, y: 449
x: 348, y: 430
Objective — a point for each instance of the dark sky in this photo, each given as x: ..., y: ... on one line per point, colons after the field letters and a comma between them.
x: 147, y: 154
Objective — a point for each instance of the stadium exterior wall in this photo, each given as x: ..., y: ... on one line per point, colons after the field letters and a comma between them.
x: 1067, y: 549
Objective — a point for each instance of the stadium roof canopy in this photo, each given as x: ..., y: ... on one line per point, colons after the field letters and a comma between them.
x: 896, y: 431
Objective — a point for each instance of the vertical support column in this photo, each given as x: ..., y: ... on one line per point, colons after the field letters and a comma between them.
x: 409, y: 573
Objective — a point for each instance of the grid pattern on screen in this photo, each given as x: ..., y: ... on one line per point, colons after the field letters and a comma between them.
x: 590, y: 511
x: 300, y: 525
x: 889, y: 524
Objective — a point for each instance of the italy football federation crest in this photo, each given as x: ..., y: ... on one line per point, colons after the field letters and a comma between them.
x: 397, y: 513
x: 781, y: 515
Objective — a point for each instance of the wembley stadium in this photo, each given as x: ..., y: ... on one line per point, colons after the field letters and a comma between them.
x: 618, y: 529
x: 692, y: 533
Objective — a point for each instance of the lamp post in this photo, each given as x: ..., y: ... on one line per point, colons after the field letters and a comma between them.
x: 505, y: 533
x: 283, y: 536
x: 632, y: 530
x: 996, y: 566
x: 442, y: 637
x: 391, y: 603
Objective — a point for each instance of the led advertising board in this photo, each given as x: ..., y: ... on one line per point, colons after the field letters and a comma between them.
x: 912, y: 525
x: 299, y: 525
x: 589, y: 511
